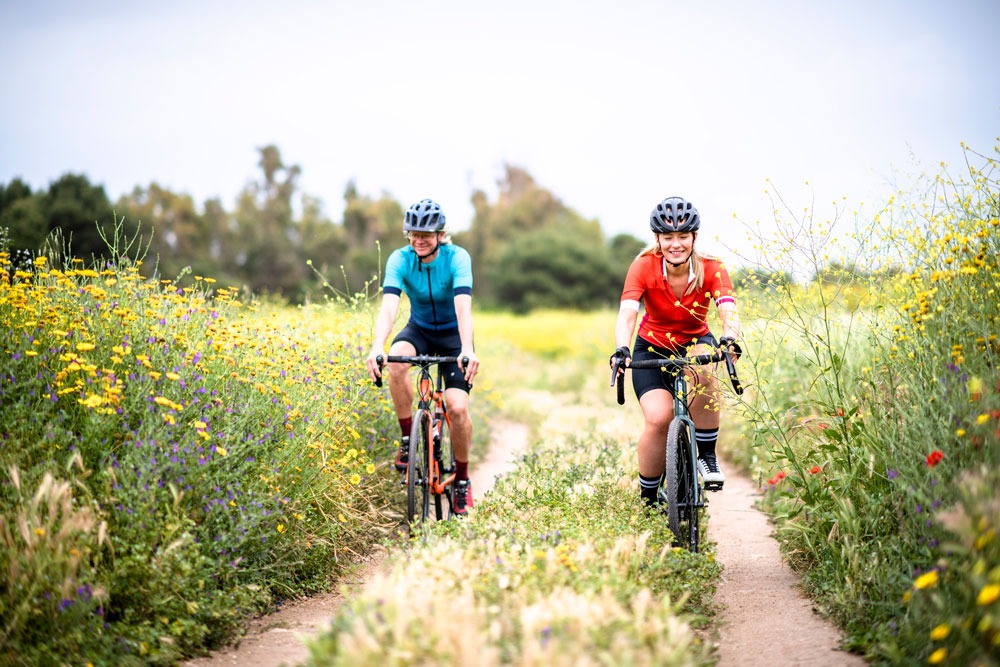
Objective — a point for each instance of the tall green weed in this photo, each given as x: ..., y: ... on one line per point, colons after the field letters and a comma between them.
x: 873, y: 416
x: 225, y: 455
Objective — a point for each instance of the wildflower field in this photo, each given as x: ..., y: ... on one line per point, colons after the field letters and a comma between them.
x: 172, y: 460
x: 873, y: 418
x: 175, y: 459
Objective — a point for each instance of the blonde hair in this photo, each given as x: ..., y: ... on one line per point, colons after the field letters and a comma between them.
x: 697, y: 265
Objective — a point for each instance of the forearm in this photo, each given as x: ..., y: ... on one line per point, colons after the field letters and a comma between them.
x: 730, y: 319
x: 463, y: 312
x: 625, y: 326
x: 384, y: 321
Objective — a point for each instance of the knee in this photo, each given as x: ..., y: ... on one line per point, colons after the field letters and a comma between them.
x: 398, y: 372
x: 658, y: 424
x: 458, y: 412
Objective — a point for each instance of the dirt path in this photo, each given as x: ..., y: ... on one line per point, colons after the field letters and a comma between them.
x: 766, y: 620
x: 278, y: 639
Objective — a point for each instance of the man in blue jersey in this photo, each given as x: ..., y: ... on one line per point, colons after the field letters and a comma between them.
x: 436, y: 276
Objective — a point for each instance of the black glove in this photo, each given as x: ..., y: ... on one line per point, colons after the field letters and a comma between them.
x: 727, y: 342
x: 621, y: 354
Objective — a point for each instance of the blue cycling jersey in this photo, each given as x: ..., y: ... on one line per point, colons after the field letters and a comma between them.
x: 430, y: 287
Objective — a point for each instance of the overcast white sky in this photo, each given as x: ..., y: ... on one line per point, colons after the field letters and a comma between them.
x: 610, y: 105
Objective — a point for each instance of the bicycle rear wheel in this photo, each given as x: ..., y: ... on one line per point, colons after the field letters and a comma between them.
x: 417, y: 488
x: 680, y: 480
x: 444, y: 503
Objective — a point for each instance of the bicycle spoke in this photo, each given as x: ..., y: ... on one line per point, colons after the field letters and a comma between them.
x: 416, y: 470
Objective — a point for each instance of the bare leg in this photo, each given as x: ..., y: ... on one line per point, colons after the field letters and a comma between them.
x: 706, y: 402
x: 657, y: 411
x: 400, y: 387
x: 461, y: 424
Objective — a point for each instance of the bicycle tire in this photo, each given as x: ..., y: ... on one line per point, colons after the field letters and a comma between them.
x: 416, y: 468
x: 446, y: 467
x: 679, y: 480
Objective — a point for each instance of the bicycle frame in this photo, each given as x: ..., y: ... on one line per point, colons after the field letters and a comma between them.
x: 436, y: 476
x: 426, y: 397
x: 684, y: 481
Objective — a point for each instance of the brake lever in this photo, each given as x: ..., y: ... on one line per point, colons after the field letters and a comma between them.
x: 731, y: 369
x: 381, y: 365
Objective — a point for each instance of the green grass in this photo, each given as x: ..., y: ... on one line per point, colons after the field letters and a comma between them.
x: 875, y: 422
x: 173, y: 461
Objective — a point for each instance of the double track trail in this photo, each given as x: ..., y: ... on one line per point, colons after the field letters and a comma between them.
x: 765, y: 619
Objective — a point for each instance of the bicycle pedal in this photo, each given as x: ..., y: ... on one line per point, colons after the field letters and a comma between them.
x: 713, y: 486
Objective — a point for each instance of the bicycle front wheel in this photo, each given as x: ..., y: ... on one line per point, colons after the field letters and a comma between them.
x: 444, y: 502
x: 417, y: 487
x: 679, y: 481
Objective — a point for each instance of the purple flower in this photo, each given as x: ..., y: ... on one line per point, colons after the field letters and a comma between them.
x: 892, y: 474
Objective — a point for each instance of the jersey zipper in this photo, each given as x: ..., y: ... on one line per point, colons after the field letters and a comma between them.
x: 430, y: 293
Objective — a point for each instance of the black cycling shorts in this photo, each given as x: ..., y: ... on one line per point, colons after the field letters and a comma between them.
x: 446, y: 343
x: 645, y: 379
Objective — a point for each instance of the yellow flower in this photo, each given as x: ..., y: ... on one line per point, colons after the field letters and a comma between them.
x: 938, y: 656
x: 975, y: 387
x: 167, y: 403
x: 221, y: 450
x: 281, y: 528
x: 926, y: 580
x: 988, y: 595
x: 982, y: 419
x: 173, y: 376
x: 370, y: 468
x: 355, y: 479
x: 85, y: 347
x: 985, y: 539
x: 940, y: 632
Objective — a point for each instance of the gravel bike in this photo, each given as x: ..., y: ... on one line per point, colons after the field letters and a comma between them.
x: 680, y: 490
x: 430, y: 468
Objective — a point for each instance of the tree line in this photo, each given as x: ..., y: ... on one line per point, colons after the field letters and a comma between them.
x: 529, y: 249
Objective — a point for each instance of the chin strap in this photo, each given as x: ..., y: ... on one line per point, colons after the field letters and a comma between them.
x: 420, y: 258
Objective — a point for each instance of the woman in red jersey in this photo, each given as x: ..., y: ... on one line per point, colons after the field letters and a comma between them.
x: 676, y: 286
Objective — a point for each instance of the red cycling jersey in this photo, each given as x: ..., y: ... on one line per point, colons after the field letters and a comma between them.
x: 671, y: 320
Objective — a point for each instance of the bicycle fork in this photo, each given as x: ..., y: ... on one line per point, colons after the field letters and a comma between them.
x: 692, y: 458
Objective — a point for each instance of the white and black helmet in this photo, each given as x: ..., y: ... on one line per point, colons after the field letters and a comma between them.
x: 424, y: 216
x: 674, y: 214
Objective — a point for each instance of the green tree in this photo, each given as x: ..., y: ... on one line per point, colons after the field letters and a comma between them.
x: 372, y: 229
x: 562, y: 266
x: 21, y: 216
x: 624, y: 248
x: 267, y: 239
x: 178, y: 236
x: 81, y: 211
x: 522, y: 207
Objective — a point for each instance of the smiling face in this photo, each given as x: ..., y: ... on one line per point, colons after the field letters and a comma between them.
x: 425, y: 244
x: 676, y: 246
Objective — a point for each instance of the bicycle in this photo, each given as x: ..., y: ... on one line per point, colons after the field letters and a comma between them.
x: 680, y: 488
x: 430, y: 468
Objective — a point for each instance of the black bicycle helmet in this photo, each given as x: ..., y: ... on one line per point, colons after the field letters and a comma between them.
x: 424, y: 216
x: 674, y: 214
